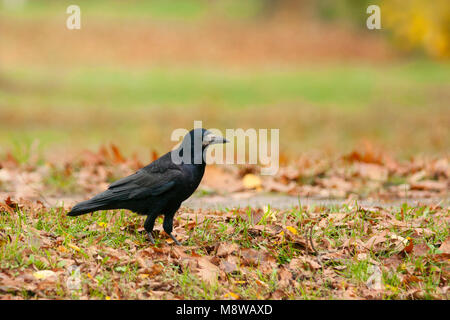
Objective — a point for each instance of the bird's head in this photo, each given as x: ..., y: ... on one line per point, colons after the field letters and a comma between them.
x: 196, y: 142
x: 209, y: 138
x: 203, y: 138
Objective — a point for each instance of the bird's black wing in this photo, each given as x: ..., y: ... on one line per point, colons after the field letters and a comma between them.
x: 153, y: 180
x: 145, y: 183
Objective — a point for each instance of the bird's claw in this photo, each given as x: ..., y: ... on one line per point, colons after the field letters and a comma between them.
x: 175, y: 240
x: 150, y: 237
x: 152, y: 240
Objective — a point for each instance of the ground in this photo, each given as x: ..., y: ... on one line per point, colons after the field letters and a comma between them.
x: 358, y: 210
x: 309, y: 252
x: 240, y: 241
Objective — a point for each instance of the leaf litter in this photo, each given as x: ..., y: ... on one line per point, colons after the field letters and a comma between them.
x: 307, y: 252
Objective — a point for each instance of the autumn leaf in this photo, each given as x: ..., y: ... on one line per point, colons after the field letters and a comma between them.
x: 251, y: 181
x: 44, y: 274
x: 410, y: 246
x: 232, y: 295
x: 74, y: 247
x: 207, y: 271
x: 225, y: 249
x: 292, y: 229
x: 117, y: 154
x: 445, y: 248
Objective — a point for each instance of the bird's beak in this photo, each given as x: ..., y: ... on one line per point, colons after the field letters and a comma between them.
x: 213, y: 139
x: 219, y: 139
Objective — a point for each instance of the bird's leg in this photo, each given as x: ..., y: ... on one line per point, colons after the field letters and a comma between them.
x: 168, y: 226
x: 175, y: 239
x: 150, y: 237
x: 148, y: 226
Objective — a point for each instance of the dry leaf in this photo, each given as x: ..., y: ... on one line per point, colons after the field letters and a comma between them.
x: 44, y: 274
x: 251, y: 181
x: 207, y: 271
x: 225, y: 249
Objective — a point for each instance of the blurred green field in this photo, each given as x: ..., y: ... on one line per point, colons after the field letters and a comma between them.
x: 139, y: 108
x: 338, y: 86
x: 68, y: 101
x: 185, y: 10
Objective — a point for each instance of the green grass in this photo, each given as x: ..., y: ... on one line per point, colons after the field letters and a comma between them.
x: 401, y: 107
x: 45, y: 239
x: 333, y: 85
x: 185, y: 10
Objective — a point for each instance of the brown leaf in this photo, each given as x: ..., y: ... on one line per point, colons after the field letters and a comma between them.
x: 11, y: 203
x: 118, y: 158
x: 152, y: 271
x: 6, y: 208
x: 225, y: 249
x: 277, y: 295
x: 154, y: 155
x: 393, y: 262
x: 284, y: 278
x: 274, y: 186
x: 372, y: 171
x: 445, y: 246
x: 253, y: 257
x: 410, y: 246
x: 407, y: 279
x: 373, y: 241
x: 207, y: 271
x: 227, y: 266
x: 429, y: 185
x: 420, y: 249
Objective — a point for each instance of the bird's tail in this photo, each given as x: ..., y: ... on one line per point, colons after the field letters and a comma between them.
x: 101, y: 201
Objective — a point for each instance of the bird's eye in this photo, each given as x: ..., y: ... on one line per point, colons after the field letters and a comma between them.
x: 207, y: 138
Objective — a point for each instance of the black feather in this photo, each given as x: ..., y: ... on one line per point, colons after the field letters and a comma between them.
x: 158, y: 188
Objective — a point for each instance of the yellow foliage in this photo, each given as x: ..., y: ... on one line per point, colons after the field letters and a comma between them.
x: 419, y: 24
x: 251, y: 181
x: 74, y: 247
x: 232, y: 295
x: 292, y: 229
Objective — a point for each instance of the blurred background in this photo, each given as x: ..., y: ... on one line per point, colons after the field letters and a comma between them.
x: 137, y: 70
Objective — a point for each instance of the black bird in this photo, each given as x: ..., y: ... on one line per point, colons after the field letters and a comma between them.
x: 160, y: 187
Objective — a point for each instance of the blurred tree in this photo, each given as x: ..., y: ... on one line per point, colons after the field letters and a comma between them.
x: 418, y: 24
x: 286, y: 8
x: 349, y: 11
x: 14, y: 4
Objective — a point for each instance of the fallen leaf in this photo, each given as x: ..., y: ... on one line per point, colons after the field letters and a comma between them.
x: 409, y: 248
x: 227, y: 266
x: 232, y: 295
x: 253, y: 257
x: 445, y: 246
x: 74, y: 247
x: 251, y: 181
x: 292, y: 229
x: 207, y: 271
x: 44, y: 274
x: 429, y: 185
x: 225, y: 249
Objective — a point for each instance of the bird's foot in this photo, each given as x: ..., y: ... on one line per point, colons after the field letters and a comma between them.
x: 150, y: 237
x: 175, y: 239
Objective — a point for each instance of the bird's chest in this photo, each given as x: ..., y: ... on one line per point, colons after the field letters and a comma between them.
x: 192, y: 177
